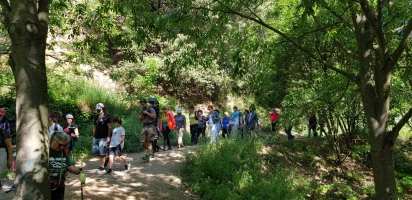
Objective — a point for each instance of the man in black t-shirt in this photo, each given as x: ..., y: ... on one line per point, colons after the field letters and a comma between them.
x: 102, y: 132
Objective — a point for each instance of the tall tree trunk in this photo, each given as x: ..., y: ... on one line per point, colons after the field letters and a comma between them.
x: 26, y: 22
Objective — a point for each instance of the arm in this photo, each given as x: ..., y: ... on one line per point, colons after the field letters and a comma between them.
x: 109, y: 132
x: 122, y: 140
x: 94, y: 132
x: 185, y: 125
x: 9, y: 147
x: 76, y: 132
x: 151, y: 115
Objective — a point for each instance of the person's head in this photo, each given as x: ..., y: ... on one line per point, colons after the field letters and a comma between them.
x: 117, y: 121
x: 2, y: 114
x: 200, y: 112
x: 191, y: 108
x: 52, y: 118
x: 100, y: 108
x: 235, y: 108
x: 226, y: 114
x: 247, y: 112
x: 154, y: 102
x: 165, y: 109
x: 69, y: 118
x: 210, y: 108
x: 59, y: 140
x: 179, y: 111
x: 143, y: 103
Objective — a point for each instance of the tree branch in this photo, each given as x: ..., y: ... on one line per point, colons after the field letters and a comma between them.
x: 401, y: 123
x: 6, y: 6
x: 407, y: 30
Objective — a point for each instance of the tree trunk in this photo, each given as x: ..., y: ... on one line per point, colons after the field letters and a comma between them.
x: 26, y: 22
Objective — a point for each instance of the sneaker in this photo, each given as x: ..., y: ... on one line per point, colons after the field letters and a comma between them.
x: 146, y: 158
x: 127, y: 166
x: 106, y: 161
x: 109, y: 171
x: 169, y: 149
x: 101, y: 170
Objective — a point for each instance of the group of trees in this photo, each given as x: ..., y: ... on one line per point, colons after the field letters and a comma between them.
x: 308, y: 55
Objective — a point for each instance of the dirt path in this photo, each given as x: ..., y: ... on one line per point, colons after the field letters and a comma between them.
x: 157, y: 179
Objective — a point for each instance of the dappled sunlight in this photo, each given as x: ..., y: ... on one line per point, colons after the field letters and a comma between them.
x: 157, y: 179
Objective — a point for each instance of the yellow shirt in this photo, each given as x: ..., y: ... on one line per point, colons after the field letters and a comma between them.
x: 192, y: 120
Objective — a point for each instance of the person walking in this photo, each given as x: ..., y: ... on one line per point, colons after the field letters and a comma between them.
x: 155, y: 105
x: 214, y: 124
x: 166, y: 124
x: 193, y: 124
x: 180, y: 127
x: 6, y: 147
x: 53, y: 125
x: 102, y: 132
x: 312, y: 125
x: 252, y: 120
x: 236, y: 121
x: 201, y: 127
x: 71, y: 128
x: 246, y: 114
x: 225, y: 125
x: 60, y: 162
x: 274, y: 115
x: 116, y: 145
x: 148, y: 117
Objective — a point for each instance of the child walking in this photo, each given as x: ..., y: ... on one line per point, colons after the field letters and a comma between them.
x: 117, y: 144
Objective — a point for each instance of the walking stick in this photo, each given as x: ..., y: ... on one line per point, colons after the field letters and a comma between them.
x: 82, y: 179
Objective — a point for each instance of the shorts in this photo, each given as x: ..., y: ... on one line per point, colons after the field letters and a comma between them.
x: 99, y: 147
x: 148, y: 133
x: 3, y: 159
x: 115, y: 151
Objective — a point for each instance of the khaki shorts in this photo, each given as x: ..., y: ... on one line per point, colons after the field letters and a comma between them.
x: 148, y: 133
x: 3, y: 159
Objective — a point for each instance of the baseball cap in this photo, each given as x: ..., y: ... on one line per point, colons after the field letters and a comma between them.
x: 179, y: 110
x: 191, y: 107
x: 99, y: 106
x: 69, y: 116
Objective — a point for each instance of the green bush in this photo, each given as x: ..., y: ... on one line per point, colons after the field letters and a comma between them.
x: 231, y: 169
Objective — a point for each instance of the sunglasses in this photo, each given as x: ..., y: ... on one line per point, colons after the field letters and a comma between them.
x: 60, y: 145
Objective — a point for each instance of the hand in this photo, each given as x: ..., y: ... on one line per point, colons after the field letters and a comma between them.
x: 10, y: 162
x: 108, y: 139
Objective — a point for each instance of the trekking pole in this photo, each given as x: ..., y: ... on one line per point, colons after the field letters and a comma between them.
x: 82, y: 179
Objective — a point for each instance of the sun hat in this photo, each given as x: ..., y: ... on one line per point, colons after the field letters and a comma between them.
x: 2, y: 112
x: 69, y: 116
x: 99, y: 106
x: 179, y: 110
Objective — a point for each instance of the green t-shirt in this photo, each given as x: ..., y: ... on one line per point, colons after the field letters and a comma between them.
x: 56, y: 160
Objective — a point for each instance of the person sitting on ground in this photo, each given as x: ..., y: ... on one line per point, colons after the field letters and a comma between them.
x: 180, y: 127
x: 117, y: 144
x: 60, y: 162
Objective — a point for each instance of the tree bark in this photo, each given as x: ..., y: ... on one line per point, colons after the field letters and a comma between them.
x: 26, y: 22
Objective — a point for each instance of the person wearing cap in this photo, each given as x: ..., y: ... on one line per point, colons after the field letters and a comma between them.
x: 148, y: 117
x: 102, y: 132
x: 71, y: 128
x: 166, y: 124
x: 6, y: 148
x: 274, y: 115
x: 53, y: 125
x: 180, y: 127
x: 193, y: 124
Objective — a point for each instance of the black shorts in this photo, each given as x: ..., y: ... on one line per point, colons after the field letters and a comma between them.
x: 115, y: 151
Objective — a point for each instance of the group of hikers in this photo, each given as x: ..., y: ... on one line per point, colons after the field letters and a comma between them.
x: 156, y: 123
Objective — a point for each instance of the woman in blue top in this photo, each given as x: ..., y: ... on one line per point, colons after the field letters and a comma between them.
x: 201, y: 127
x: 225, y: 125
x: 214, y: 124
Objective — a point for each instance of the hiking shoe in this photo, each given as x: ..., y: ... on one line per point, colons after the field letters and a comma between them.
x: 101, y: 170
x: 127, y: 166
x: 106, y: 161
x: 109, y: 171
x: 146, y: 158
x: 169, y: 149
